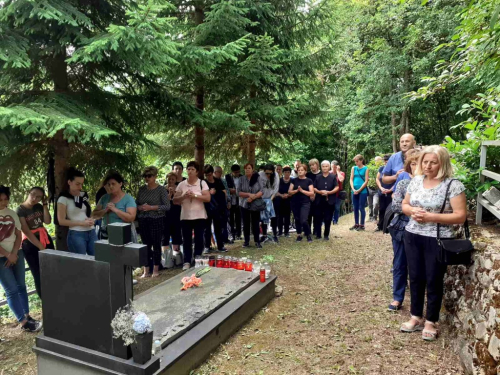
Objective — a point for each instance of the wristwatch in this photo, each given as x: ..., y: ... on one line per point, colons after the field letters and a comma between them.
x: 196, y: 195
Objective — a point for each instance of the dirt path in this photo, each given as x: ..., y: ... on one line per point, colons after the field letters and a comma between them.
x: 331, y: 318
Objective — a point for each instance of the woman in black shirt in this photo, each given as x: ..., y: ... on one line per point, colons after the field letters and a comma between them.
x: 301, y: 188
x: 218, y: 192
x: 325, y: 187
x: 282, y: 206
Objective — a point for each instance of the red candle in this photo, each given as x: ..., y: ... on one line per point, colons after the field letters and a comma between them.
x: 234, y: 263
x: 248, y: 266
x: 211, y: 262
x: 262, y: 275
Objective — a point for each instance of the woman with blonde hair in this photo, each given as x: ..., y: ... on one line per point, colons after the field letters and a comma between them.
x: 428, y: 192
x: 359, y: 183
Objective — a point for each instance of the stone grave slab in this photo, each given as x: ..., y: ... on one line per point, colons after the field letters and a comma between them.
x: 173, y: 312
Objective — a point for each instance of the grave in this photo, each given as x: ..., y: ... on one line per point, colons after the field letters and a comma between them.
x: 82, y: 294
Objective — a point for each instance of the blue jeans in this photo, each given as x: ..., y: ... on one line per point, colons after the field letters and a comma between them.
x: 12, y: 281
x: 336, y: 211
x: 359, y: 203
x: 400, y: 272
x: 80, y: 242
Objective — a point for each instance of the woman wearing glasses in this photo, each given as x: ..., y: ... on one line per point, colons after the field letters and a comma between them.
x: 152, y: 205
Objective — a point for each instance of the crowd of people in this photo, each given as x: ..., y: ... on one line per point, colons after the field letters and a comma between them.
x: 187, y: 211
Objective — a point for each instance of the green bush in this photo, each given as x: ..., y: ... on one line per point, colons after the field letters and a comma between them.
x: 481, y: 126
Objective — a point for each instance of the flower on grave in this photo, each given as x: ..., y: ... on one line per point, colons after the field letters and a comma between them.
x: 142, y: 324
x: 128, y: 323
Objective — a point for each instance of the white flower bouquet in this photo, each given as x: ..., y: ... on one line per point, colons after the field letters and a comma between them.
x: 128, y: 323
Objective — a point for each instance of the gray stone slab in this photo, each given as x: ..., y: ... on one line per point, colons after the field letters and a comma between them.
x: 172, y: 311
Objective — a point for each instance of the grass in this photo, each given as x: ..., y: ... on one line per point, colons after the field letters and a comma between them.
x: 331, y: 318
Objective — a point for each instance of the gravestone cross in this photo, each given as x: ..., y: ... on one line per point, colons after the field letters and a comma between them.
x: 122, y: 255
x: 81, y: 293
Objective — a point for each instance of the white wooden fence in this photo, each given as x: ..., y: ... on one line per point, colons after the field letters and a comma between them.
x: 481, y: 202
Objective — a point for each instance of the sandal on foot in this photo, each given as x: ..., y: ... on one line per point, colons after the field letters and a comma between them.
x: 155, y: 275
x: 145, y: 275
x: 430, y: 335
x: 393, y: 307
x: 413, y: 325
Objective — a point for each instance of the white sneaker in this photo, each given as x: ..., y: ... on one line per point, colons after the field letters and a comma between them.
x: 186, y: 266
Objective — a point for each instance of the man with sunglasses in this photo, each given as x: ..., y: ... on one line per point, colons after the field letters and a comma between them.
x: 152, y: 204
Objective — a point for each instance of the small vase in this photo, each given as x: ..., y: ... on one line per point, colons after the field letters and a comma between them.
x: 142, y: 347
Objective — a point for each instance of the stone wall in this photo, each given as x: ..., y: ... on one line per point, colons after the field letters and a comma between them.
x: 472, y: 303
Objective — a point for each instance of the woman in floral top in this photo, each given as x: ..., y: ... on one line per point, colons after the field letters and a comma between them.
x: 397, y: 230
x: 423, y: 201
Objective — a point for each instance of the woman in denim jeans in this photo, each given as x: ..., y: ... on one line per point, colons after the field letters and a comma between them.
x: 73, y: 211
x: 12, y: 266
x: 359, y: 181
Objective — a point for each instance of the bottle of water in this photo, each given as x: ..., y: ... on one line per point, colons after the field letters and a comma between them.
x: 156, y: 347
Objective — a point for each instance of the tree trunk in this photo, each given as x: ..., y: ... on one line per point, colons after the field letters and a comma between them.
x: 59, y: 73
x: 394, y: 128
x: 252, y: 144
x: 404, y: 125
x: 252, y: 138
x: 199, y: 132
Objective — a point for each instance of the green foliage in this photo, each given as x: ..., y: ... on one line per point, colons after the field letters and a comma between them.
x: 373, y: 167
x: 482, y: 125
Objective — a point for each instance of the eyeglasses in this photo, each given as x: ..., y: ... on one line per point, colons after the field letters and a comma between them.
x: 269, y: 173
x: 147, y: 175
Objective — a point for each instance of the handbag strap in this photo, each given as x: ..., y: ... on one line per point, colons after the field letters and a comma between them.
x: 466, y: 223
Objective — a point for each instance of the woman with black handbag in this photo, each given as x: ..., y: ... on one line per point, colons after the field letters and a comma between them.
x: 434, y: 201
x: 251, y: 203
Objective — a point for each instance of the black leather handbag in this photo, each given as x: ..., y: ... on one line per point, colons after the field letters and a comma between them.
x: 257, y: 205
x: 454, y: 251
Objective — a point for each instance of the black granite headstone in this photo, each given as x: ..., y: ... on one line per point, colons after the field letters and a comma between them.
x: 76, y: 299
x: 83, y: 293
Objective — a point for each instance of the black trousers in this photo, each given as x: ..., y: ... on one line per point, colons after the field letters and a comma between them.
x: 223, y: 224
x: 151, y: 230
x: 425, y: 273
x: 323, y: 214
x: 188, y: 226
x: 217, y: 221
x: 284, y: 216
x: 172, y: 228
x: 384, y: 202
x: 31, y: 256
x: 301, y: 214
x: 251, y: 218
x: 235, y: 220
